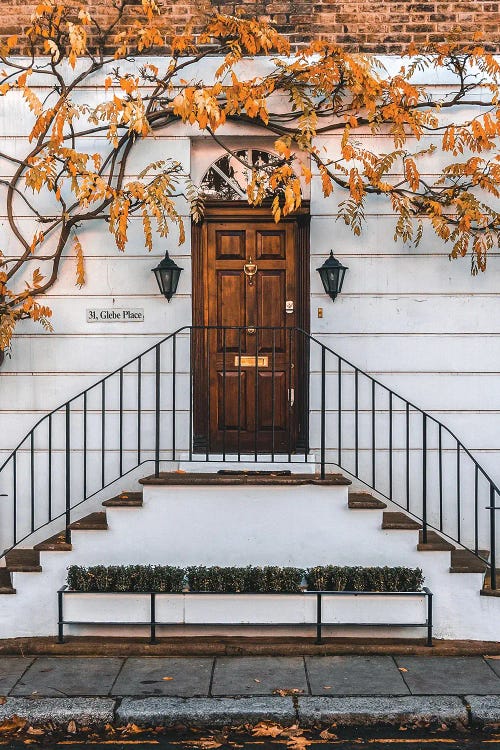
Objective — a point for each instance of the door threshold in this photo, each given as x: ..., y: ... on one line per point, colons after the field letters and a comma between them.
x: 215, y: 463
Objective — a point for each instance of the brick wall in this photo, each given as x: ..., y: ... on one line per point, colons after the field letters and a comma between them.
x: 360, y: 25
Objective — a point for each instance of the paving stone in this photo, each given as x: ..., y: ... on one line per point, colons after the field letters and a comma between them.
x: 62, y: 676
x: 448, y: 675
x: 86, y: 712
x: 205, y: 712
x: 258, y: 675
x: 164, y: 676
x: 395, y: 710
x: 355, y: 675
x: 485, y: 709
x: 11, y: 669
x: 494, y: 664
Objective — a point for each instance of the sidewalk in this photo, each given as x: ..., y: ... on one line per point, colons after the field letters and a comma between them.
x: 210, y: 692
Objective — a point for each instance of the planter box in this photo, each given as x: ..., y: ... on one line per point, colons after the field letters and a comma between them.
x: 408, y: 609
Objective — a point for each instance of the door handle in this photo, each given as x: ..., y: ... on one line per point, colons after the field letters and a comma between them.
x: 291, y: 396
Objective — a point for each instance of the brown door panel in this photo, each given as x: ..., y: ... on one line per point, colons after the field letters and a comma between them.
x: 246, y: 377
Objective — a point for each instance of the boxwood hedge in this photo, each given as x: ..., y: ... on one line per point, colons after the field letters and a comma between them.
x: 249, y: 579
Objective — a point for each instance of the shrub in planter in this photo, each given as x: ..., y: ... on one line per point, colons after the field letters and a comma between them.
x: 250, y: 579
x: 354, y: 578
x: 160, y: 578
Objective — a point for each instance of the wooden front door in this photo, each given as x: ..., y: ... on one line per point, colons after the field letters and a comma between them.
x: 247, y: 391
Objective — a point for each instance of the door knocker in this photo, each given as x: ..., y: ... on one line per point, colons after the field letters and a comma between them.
x: 250, y: 269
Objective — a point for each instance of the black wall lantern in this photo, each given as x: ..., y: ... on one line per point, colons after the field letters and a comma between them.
x: 167, y: 274
x: 332, y: 274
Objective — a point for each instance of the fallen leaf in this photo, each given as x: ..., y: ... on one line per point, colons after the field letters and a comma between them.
x: 263, y: 729
x: 208, y: 743
x: 13, y: 724
x: 326, y: 735
x: 35, y: 731
x: 256, y: 680
x: 72, y: 727
x: 133, y: 729
x: 402, y: 669
x: 298, y: 743
x: 287, y: 691
x: 167, y: 678
x: 3, y: 700
x: 327, y: 687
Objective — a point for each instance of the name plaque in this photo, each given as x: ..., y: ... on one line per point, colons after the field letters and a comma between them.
x: 115, y: 315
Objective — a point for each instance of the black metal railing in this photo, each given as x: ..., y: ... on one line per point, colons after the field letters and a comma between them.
x: 261, y: 395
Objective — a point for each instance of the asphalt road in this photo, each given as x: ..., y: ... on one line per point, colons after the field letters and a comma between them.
x: 388, y: 740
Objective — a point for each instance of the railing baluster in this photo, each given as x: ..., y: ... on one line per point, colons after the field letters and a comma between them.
x: 291, y: 384
x: 374, y: 458
x: 440, y: 471
x: 323, y: 411
x: 459, y: 496
x: 103, y: 433
x: 356, y: 422
x: 224, y: 425
x: 239, y: 393
x: 424, y: 478
x: 493, y: 539
x: 32, y: 481
x: 157, y: 409
x: 67, y: 473
x: 210, y: 335
x: 14, y: 494
x: 120, y: 385
x: 273, y: 399
x: 193, y: 340
x: 476, y: 509
x: 174, y: 405
x: 407, y: 455
x: 339, y: 425
x: 50, y: 468
x: 256, y: 414
x: 139, y: 408
x: 390, y: 445
x: 85, y: 445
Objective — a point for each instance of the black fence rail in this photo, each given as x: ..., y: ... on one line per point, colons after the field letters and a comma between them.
x: 153, y: 622
x: 237, y: 394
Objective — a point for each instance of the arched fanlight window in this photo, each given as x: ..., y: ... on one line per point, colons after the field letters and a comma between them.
x: 228, y: 177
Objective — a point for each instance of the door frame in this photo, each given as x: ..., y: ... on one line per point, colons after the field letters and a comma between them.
x: 228, y: 211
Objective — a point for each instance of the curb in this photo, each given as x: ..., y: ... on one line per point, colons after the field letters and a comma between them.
x: 101, y: 713
x: 383, y: 711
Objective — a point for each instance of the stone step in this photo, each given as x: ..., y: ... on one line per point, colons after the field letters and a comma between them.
x: 435, y: 543
x: 396, y: 520
x: 6, y: 586
x: 93, y: 522
x: 125, y: 500
x: 365, y: 501
x: 23, y: 561
x: 56, y: 543
x: 486, y: 590
x: 198, y: 479
x: 463, y: 561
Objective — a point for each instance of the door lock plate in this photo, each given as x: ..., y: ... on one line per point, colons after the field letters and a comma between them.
x: 251, y: 361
